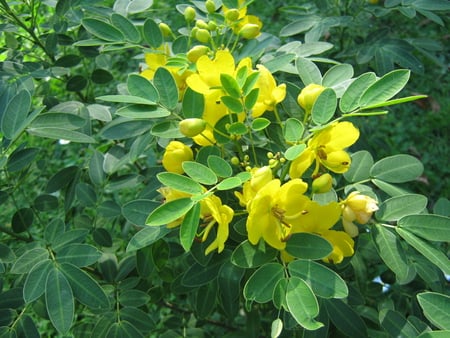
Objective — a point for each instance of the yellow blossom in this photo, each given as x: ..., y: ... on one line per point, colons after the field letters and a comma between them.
x: 342, y: 245
x: 326, y: 148
x: 260, y: 177
x: 359, y: 208
x: 269, y: 93
x: 174, y: 156
x: 309, y: 95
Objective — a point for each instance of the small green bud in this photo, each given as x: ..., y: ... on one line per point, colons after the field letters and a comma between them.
x: 189, y: 14
x: 322, y: 184
x: 195, y: 52
x: 192, y: 127
x: 235, y: 160
x: 210, y: 6
x: 202, y: 35
x: 201, y: 24
x: 232, y: 15
x: 212, y: 26
x: 249, y: 31
x: 165, y: 29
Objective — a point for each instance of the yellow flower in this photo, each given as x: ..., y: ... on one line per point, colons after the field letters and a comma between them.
x: 260, y: 177
x: 359, y: 208
x: 309, y: 95
x: 269, y: 93
x: 169, y: 195
x: 326, y: 148
x: 342, y: 245
x: 212, y: 212
x: 174, y: 156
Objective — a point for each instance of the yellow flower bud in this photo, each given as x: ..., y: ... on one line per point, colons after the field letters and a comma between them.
x: 174, y: 156
x: 201, y: 24
x: 232, y: 14
x: 261, y: 177
x: 195, y: 52
x: 210, y: 6
x: 165, y: 29
x: 309, y: 95
x: 362, y: 207
x: 202, y: 35
x: 189, y: 14
x: 249, y: 31
x: 322, y: 184
x: 192, y: 127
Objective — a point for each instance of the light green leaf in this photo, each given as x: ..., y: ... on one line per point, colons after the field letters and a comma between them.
x: 359, y: 170
x: 34, y: 286
x: 396, y: 207
x: 397, y: 169
x: 308, y: 246
x: 230, y: 85
x: 141, y: 87
x: 102, y: 30
x: 28, y: 259
x: 193, y: 104
x: 351, y: 97
x: 337, y: 74
x: 394, y: 102
x: 189, y: 226
x: 247, y: 255
x: 430, y: 227
x: 260, y: 123
x: 169, y: 211
x: 152, y: 34
x: 85, y: 288
x: 279, y: 62
x: 392, y: 253
x: 126, y: 99
x: 308, y: 71
x: 276, y: 328
x: 251, y: 98
x: 199, y: 172
x: 167, y: 87
x: 61, y: 134
x: 237, y: 128
x: 323, y: 281
x: 126, y: 27
x: 262, y: 282
x: 293, y: 152
x: 324, y: 107
x: 180, y: 182
x: 235, y: 105
x: 436, y: 308
x: 390, y: 189
x: 59, y: 301
x: 302, y: 303
x: 293, y: 130
x: 433, y: 254
x: 167, y: 129
x: 219, y: 166
x: 146, y: 237
x: 229, y: 183
x: 385, y: 88
x: 58, y: 120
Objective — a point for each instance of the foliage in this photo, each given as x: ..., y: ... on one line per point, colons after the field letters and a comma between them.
x: 198, y: 182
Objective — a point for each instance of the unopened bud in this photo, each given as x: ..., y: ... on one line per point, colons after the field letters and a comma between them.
x: 210, y: 6
x: 249, y: 31
x: 261, y: 177
x: 232, y: 15
x: 235, y: 160
x: 195, y: 52
x: 192, y: 127
x: 201, y: 24
x: 309, y: 95
x: 322, y: 184
x: 202, y: 35
x: 189, y: 14
x: 212, y: 26
x: 165, y: 29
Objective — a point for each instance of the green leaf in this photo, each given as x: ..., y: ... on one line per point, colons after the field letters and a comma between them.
x: 61, y: 134
x: 279, y: 62
x: 101, y: 76
x: 102, y: 30
x: 262, y: 282
x: 122, y: 128
x: 392, y: 253
x: 206, y: 299
x: 219, y: 166
x: 351, y: 97
x: 86, y: 194
x: 308, y: 71
x: 21, y: 158
x: 146, y: 237
x: 324, y: 107
x: 229, y: 183
x: 308, y: 246
x: 302, y: 303
x: 397, y: 169
x: 434, y: 255
x: 96, y: 173
x: 152, y: 34
x: 247, y: 255
x: 199, y: 172
x: 293, y: 152
x: 430, y: 227
x: 123, y: 329
x: 260, y: 123
x: 167, y: 129
x: 323, y: 281
x: 133, y: 297
x: 137, y: 211
x: 13, y: 117
x: 34, y: 286
x: 394, y: 102
x: 58, y: 120
x: 167, y: 87
x: 293, y: 130
x: 22, y: 220
x: 180, y: 182
x: 390, y: 189
x: 138, y: 318
x: 359, y: 169
x: 198, y: 275
x: 235, y: 105
x: 345, y: 318
x: 396, y: 325
x: 68, y: 237
x: 436, y: 308
x: 28, y: 259
x: 80, y: 255
x: 85, y: 288
x: 337, y: 74
x: 126, y: 99
x: 251, y: 98
x: 237, y: 128
x: 141, y: 87
x: 189, y: 226
x: 385, y: 88
x: 193, y: 104
x: 230, y: 85
x: 169, y: 211
x: 59, y: 301
x: 396, y: 207
x: 126, y: 27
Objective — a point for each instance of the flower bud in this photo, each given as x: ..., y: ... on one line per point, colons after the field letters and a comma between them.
x: 232, y: 15
x: 192, y: 127
x: 195, y: 52
x: 202, y: 35
x: 309, y: 95
x: 235, y: 160
x: 201, y: 24
x: 174, y: 156
x: 189, y: 14
x: 165, y: 29
x: 322, y: 184
x: 212, y: 26
x: 249, y: 31
x: 261, y: 177
x: 210, y: 6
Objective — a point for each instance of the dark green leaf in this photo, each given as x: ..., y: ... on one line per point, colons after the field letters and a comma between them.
x: 22, y: 220
x: 139, y: 86
x: 71, y: 236
x: 102, y: 30
x: 61, y: 134
x: 396, y: 207
x: 133, y: 298
x: 138, y: 318
x: 189, y: 226
x: 34, y: 286
x: 397, y: 325
x: 308, y: 246
x: 345, y: 318
x: 169, y: 211
x: 262, y: 282
x: 80, y: 255
x: 86, y: 194
x: 28, y: 259
x: 62, y: 178
x: 436, y: 308
x: 46, y: 202
x: 167, y: 88
x: 123, y: 329
x: 260, y: 123
x: 198, y: 275
x: 206, y: 299
x: 123, y: 128
x: 76, y: 83
x: 96, y: 173
x: 152, y: 34
x: 14, y: 115
x: 126, y: 27
x: 430, y: 227
x: 137, y: 211
x: 230, y: 85
x: 247, y: 255
x: 193, y: 104
x: 21, y: 158
x: 101, y: 76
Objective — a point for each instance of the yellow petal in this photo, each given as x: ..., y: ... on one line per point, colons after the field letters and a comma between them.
x: 301, y: 163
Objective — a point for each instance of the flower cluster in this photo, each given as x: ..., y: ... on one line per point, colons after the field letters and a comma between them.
x: 278, y: 196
